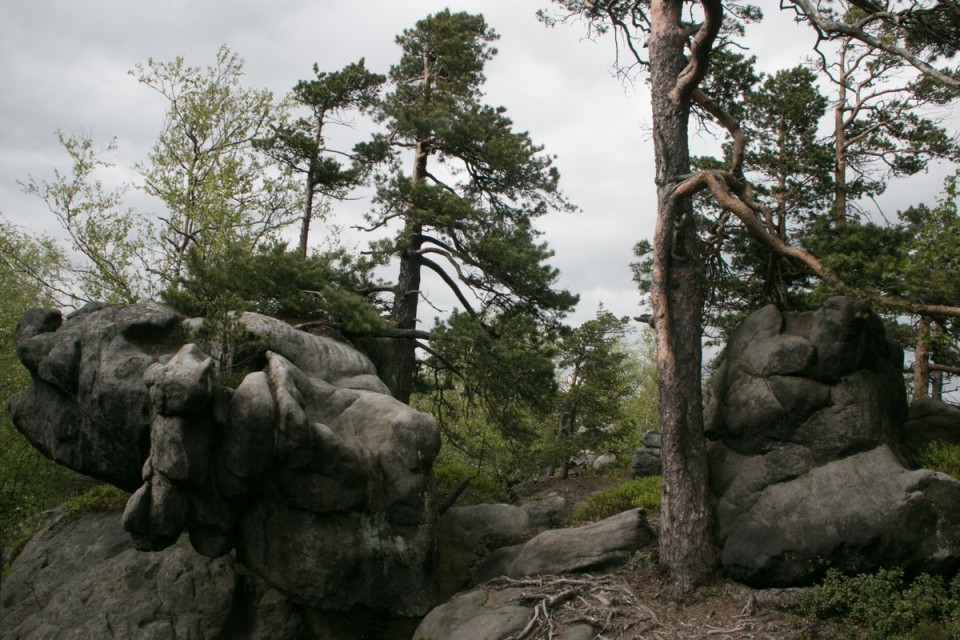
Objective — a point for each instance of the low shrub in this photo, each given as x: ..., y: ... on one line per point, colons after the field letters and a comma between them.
x: 481, y: 489
x: 102, y: 497
x: 642, y: 492
x: 942, y: 457
x: 884, y: 606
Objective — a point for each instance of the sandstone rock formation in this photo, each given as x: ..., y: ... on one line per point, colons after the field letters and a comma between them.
x: 485, y: 613
x: 593, y: 546
x: 646, y: 458
x: 466, y: 535
x: 931, y: 421
x: 83, y: 578
x: 519, y: 579
x: 810, y: 468
x: 298, y: 458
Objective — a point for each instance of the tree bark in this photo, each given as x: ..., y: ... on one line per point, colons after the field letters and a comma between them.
x: 687, y: 547
x: 921, y: 360
x: 839, y: 207
x: 936, y: 385
x: 398, y: 370
x: 307, y: 216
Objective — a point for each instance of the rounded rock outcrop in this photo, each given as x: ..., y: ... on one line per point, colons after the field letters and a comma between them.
x: 809, y: 463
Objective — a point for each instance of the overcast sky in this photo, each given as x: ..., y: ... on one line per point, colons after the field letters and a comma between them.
x: 63, y: 65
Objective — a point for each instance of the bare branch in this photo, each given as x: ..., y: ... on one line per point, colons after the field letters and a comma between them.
x: 733, y: 195
x: 433, y: 266
x: 829, y: 28
x: 727, y: 121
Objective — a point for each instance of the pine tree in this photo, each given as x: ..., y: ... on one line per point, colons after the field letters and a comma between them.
x: 475, y: 186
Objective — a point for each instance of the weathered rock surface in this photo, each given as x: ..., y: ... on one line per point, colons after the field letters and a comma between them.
x: 930, y: 421
x: 466, y: 535
x: 84, y: 415
x: 485, y: 613
x: 592, y: 546
x: 646, y: 459
x: 809, y: 468
x: 84, y: 579
x: 319, y: 479
x: 489, y: 612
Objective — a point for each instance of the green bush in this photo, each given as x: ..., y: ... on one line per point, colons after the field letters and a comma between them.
x: 884, y: 605
x: 481, y: 489
x: 642, y: 492
x: 942, y: 457
x: 102, y: 497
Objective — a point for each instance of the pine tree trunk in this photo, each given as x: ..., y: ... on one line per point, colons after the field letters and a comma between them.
x: 839, y: 207
x: 307, y: 216
x: 399, y: 368
x: 921, y: 360
x: 687, y: 547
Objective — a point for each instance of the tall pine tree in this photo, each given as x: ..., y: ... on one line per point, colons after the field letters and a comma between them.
x: 472, y: 191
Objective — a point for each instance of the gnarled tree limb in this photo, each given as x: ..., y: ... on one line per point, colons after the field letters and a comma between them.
x: 691, y: 76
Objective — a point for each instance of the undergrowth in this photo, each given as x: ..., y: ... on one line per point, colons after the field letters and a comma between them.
x: 884, y: 606
x: 102, y: 497
x: 942, y: 457
x: 480, y: 490
x: 99, y: 498
x: 642, y: 492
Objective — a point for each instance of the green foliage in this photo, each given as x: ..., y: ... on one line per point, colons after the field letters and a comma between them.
x: 101, y: 497
x: 494, y: 389
x: 467, y: 208
x: 483, y: 489
x: 219, y: 190
x: 29, y: 482
x: 111, y: 240
x: 790, y: 169
x: 930, y: 261
x: 280, y: 283
x: 641, y: 409
x: 301, y: 144
x: 643, y: 493
x: 491, y: 394
x: 885, y: 606
x: 914, y: 259
x: 501, y: 367
x: 597, y: 380
x: 942, y: 457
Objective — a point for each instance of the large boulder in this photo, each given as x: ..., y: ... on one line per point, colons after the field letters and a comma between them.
x: 296, y: 456
x: 485, y: 613
x: 930, y: 422
x: 466, y: 535
x: 646, y: 459
x: 561, y: 607
x: 809, y: 468
x: 83, y: 578
x: 593, y: 546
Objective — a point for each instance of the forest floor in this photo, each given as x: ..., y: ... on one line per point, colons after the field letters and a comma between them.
x: 635, y: 601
